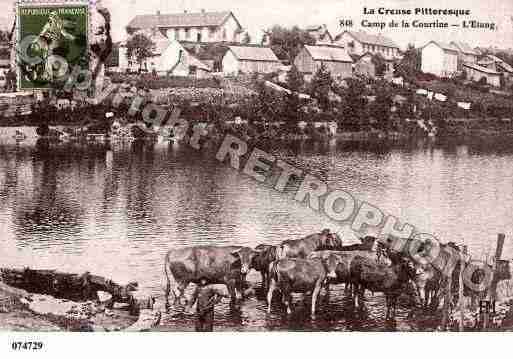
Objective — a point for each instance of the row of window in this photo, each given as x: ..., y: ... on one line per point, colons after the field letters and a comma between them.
x: 377, y: 48
x: 199, y: 34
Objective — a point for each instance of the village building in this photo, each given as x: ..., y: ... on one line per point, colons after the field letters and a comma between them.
x: 320, y: 33
x: 478, y: 73
x: 169, y: 58
x: 439, y: 59
x: 360, y: 42
x: 363, y: 65
x: 335, y: 58
x: 250, y: 59
x: 466, y: 54
x: 495, y: 63
x: 363, y: 44
x: 202, y: 27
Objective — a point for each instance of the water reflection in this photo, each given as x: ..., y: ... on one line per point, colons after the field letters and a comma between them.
x: 116, y: 209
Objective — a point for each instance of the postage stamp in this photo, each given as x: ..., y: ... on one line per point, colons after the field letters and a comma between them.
x: 51, y: 38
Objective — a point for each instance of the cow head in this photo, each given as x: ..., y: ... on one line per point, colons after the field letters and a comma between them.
x: 324, y: 238
x: 245, y: 255
x: 334, y: 242
x: 331, y: 263
x: 368, y: 242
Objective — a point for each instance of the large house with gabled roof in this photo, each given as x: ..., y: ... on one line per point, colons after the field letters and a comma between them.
x: 335, y: 58
x: 201, y: 27
x: 250, y: 59
x: 360, y: 42
x: 466, y: 54
x: 439, y: 58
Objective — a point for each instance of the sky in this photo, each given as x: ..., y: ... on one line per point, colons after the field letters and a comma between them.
x: 255, y: 16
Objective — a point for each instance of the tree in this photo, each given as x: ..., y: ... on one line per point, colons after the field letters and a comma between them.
x: 353, y: 103
x: 295, y: 80
x: 286, y: 43
x: 320, y: 87
x: 292, y: 110
x: 379, y: 64
x: 140, y: 48
x: 409, y: 66
x: 246, y: 38
x: 380, y: 109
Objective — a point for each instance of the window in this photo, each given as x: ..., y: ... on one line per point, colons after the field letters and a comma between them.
x: 198, y: 36
x: 224, y: 34
x: 187, y: 33
x: 177, y: 34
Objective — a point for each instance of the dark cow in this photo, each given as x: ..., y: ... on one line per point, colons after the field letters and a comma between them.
x: 300, y: 276
x: 218, y: 265
x: 333, y: 243
x: 343, y: 270
x: 267, y: 254
x: 392, y: 280
x: 301, y: 248
x: 366, y: 245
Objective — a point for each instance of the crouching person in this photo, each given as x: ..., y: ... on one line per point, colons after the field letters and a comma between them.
x: 206, y: 297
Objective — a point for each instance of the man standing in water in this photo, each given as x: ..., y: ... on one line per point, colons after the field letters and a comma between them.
x: 207, y: 297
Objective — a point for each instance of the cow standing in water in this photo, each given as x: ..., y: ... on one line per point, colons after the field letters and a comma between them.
x: 343, y: 270
x: 212, y: 264
x: 302, y: 248
x: 267, y: 254
x: 366, y: 273
x: 300, y: 276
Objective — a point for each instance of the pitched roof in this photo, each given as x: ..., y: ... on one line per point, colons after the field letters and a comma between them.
x: 495, y: 58
x: 328, y: 53
x: 485, y: 62
x: 481, y: 69
x: 161, y: 42
x: 253, y: 53
x: 366, y: 38
x: 180, y: 20
x: 443, y: 45
x: 464, y: 47
x: 506, y: 67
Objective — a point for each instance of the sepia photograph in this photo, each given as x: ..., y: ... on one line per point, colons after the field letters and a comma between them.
x: 272, y: 166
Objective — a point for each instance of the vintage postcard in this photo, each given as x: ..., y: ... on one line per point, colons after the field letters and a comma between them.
x: 234, y: 166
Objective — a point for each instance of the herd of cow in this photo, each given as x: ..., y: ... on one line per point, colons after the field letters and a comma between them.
x: 305, y: 265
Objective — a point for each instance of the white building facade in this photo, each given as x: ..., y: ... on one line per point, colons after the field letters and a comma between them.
x: 439, y: 59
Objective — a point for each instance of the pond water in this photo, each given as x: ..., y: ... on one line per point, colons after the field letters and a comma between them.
x: 115, y: 210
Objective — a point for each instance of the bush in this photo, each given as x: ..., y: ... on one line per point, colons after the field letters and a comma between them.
x: 156, y: 82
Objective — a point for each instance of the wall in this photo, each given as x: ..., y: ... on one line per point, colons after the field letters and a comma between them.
x: 261, y: 67
x: 231, y: 28
x: 304, y: 62
x: 365, y: 67
x: 450, y: 63
x: 475, y: 75
x: 230, y: 64
x: 338, y: 70
x: 432, y: 59
x: 346, y: 39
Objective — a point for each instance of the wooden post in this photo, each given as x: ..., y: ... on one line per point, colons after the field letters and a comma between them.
x: 461, y: 299
x: 492, y: 290
x: 492, y: 293
x: 447, y: 301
